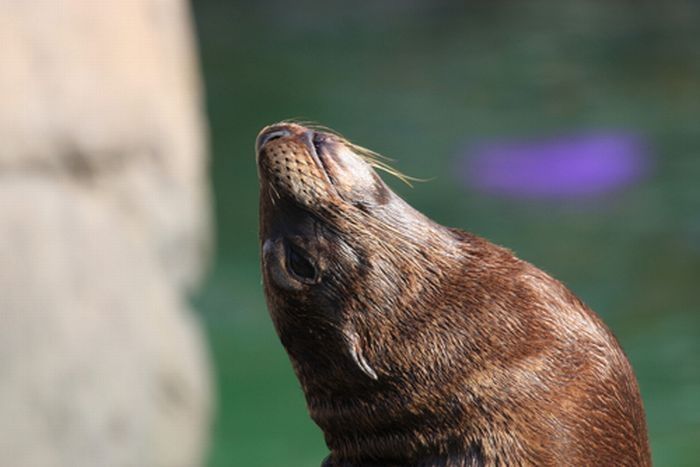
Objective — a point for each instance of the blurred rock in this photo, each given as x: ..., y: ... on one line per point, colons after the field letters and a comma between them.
x: 99, y: 362
x: 104, y: 228
x: 107, y: 93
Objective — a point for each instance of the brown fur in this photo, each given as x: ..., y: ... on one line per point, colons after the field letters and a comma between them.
x: 417, y: 344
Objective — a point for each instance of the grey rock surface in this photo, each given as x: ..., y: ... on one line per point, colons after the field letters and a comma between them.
x: 108, y: 93
x: 104, y: 229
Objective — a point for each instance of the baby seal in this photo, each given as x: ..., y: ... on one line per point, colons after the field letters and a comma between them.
x: 423, y: 345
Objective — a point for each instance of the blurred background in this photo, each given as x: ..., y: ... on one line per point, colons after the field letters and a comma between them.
x: 567, y: 131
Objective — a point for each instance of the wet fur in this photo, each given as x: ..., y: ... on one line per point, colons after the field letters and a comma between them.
x: 429, y: 346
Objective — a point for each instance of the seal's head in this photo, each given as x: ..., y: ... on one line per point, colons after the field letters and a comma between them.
x: 337, y: 250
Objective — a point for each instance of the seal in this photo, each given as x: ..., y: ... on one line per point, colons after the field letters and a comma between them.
x: 423, y: 345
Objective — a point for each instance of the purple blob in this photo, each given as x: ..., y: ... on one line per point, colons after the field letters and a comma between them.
x: 563, y: 167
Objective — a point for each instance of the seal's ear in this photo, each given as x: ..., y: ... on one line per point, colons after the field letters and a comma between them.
x: 357, y: 355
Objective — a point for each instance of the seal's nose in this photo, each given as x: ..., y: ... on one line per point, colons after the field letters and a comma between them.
x: 270, y: 134
x: 301, y: 134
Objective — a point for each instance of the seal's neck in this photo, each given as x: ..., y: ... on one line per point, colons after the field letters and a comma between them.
x: 375, y: 427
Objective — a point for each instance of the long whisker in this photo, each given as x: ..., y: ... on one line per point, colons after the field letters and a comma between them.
x: 274, y: 190
x: 381, y: 162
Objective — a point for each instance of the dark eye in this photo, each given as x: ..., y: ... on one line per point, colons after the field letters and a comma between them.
x: 299, y: 265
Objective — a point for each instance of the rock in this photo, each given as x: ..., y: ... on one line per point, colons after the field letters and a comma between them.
x: 104, y: 228
x: 108, y: 93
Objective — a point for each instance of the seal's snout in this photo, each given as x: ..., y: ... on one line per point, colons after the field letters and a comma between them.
x: 312, y: 165
x: 290, y: 163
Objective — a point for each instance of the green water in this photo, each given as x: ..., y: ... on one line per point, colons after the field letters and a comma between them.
x: 417, y: 81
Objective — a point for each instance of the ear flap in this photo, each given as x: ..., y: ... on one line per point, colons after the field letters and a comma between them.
x: 355, y: 350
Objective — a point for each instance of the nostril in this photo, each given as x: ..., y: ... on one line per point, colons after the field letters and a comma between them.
x: 317, y: 141
x: 272, y: 134
x: 308, y: 139
x: 314, y: 141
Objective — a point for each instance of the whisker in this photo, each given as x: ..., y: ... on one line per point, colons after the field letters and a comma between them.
x: 381, y: 162
x: 373, y: 158
x: 274, y: 190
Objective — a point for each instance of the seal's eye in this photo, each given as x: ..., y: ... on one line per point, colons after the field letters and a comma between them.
x: 299, y: 265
